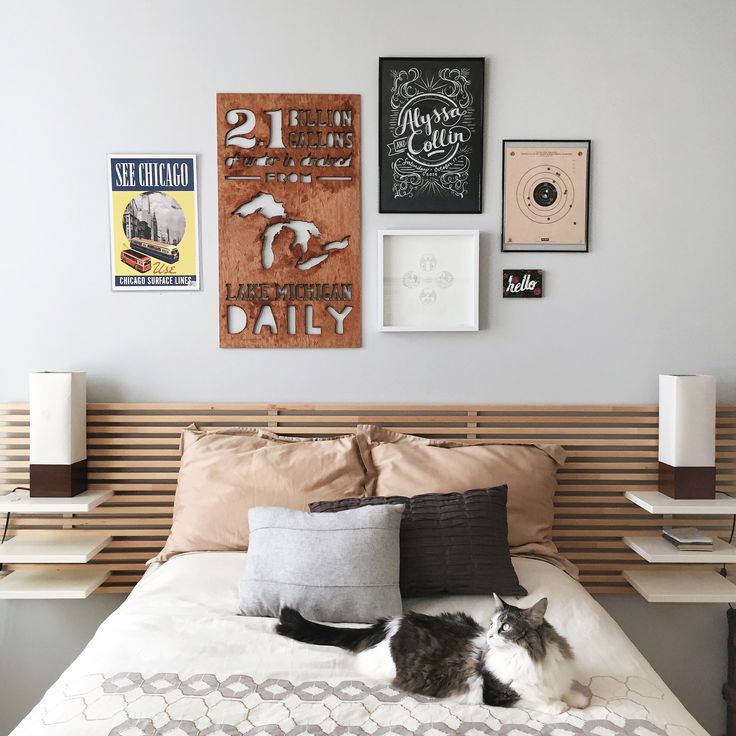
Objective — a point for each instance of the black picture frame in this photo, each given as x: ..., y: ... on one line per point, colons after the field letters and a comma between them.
x: 528, y: 246
x: 439, y: 177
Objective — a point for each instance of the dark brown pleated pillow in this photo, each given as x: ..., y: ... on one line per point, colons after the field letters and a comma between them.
x: 453, y: 543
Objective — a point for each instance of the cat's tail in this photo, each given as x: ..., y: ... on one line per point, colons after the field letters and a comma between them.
x: 295, y: 626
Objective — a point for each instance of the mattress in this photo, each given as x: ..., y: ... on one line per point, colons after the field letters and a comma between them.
x: 176, y: 660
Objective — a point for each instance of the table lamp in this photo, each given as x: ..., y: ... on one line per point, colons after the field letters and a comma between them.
x: 687, y: 436
x: 58, y: 408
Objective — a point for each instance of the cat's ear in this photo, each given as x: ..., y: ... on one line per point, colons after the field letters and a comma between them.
x: 499, y: 602
x: 535, y: 614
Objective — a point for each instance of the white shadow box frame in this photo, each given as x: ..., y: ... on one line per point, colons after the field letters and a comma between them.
x: 428, y: 280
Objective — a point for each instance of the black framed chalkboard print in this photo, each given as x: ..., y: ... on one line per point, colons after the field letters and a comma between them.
x: 431, y: 134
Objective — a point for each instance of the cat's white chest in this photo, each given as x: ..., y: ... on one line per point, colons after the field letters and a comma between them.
x: 548, y: 679
x: 510, y: 666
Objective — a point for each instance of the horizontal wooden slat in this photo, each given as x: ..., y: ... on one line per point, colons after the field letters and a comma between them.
x: 427, y: 420
x: 134, y: 450
x: 369, y: 407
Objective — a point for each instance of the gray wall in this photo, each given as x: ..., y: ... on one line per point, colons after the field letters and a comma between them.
x: 686, y: 644
x: 651, y: 83
x: 38, y: 641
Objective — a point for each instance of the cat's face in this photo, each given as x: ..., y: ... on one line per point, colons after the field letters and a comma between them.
x: 512, y: 626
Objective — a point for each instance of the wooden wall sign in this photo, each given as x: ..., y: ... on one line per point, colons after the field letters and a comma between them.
x: 524, y: 283
x: 289, y: 212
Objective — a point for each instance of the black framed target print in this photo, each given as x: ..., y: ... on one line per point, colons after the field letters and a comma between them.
x: 431, y: 134
x: 545, y: 195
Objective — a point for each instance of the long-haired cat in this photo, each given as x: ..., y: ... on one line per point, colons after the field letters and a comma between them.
x: 520, y: 661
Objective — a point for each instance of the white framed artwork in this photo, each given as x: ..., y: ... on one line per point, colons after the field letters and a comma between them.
x: 428, y: 280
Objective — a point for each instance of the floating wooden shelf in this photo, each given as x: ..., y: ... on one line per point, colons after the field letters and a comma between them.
x: 13, y: 503
x: 59, y: 547
x: 682, y: 586
x: 657, y: 503
x: 656, y: 549
x: 52, y: 582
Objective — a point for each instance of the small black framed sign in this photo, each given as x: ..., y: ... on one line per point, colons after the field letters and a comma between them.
x: 545, y: 195
x: 523, y: 283
x: 431, y: 134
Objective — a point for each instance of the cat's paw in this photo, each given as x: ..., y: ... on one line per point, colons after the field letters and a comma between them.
x: 576, y: 699
x: 555, y: 707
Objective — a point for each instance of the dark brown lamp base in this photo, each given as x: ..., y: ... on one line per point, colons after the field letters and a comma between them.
x: 58, y: 481
x: 687, y: 483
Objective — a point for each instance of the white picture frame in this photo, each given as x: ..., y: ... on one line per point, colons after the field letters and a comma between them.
x: 428, y: 280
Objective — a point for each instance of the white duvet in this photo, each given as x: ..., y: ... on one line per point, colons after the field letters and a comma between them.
x: 175, y: 660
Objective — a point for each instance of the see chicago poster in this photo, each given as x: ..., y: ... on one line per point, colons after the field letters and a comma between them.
x: 153, y: 222
x: 431, y: 134
x: 289, y: 212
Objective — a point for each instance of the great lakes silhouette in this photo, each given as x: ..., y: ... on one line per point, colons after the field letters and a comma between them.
x: 301, y: 231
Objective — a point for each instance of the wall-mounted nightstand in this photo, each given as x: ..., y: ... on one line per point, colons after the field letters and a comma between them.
x: 681, y: 585
x: 42, y: 550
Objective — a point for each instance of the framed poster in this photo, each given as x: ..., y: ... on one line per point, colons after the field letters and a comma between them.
x: 431, y: 134
x: 289, y: 216
x: 545, y: 195
x: 153, y: 222
x: 428, y: 280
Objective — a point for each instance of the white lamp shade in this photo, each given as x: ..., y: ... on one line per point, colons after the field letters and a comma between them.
x: 687, y: 420
x: 58, y: 418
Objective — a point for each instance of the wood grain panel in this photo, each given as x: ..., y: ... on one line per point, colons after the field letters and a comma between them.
x: 134, y: 449
x: 289, y: 219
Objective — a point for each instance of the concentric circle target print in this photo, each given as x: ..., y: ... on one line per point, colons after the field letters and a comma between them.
x: 545, y: 194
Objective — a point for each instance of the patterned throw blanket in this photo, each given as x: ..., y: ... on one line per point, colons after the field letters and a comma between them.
x: 130, y: 704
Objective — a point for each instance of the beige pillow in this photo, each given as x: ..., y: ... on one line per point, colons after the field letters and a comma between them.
x: 407, y: 465
x: 225, y: 472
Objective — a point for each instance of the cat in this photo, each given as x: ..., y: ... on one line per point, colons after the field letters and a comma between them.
x: 520, y: 661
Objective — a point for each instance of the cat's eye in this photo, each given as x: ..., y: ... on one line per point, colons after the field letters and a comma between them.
x: 505, y: 627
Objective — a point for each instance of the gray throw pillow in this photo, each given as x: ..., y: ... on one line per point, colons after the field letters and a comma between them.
x: 341, y: 567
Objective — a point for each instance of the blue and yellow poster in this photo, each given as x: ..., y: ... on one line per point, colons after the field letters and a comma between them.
x: 153, y: 222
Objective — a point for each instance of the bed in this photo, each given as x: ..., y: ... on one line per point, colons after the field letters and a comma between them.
x: 176, y: 660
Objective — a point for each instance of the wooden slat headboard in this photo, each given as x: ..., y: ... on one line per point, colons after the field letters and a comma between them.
x: 133, y: 449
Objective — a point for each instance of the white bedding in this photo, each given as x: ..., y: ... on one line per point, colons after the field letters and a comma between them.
x: 174, y: 660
